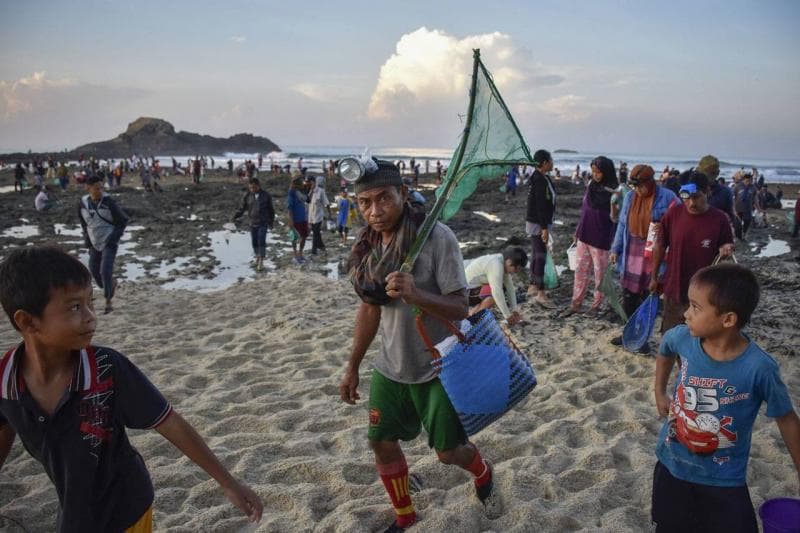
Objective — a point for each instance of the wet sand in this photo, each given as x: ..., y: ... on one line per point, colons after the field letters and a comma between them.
x: 255, y: 367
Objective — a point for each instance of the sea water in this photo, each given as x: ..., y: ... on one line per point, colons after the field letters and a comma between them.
x: 774, y: 170
x: 314, y: 157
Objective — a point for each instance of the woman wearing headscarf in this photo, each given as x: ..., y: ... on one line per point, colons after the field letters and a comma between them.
x: 538, y: 220
x: 646, y: 204
x: 594, y: 234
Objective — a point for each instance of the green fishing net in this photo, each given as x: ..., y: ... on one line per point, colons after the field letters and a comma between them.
x: 490, y: 145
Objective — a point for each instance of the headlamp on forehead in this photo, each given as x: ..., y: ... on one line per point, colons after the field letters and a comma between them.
x: 352, y: 168
x: 687, y: 190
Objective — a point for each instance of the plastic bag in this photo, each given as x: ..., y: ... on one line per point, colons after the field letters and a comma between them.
x: 550, y: 274
x: 608, y: 286
x: 640, y: 326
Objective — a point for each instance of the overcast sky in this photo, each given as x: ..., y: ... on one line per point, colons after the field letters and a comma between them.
x: 670, y: 78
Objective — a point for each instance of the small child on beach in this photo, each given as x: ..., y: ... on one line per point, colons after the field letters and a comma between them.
x: 700, y: 479
x: 70, y: 401
x: 343, y: 216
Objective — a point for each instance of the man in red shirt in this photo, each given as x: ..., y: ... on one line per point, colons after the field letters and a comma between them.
x: 695, y: 233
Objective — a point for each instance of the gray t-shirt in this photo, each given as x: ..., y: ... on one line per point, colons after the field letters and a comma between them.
x: 439, y: 269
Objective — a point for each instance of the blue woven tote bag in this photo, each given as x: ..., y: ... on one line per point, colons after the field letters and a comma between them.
x: 482, y: 370
x: 640, y: 326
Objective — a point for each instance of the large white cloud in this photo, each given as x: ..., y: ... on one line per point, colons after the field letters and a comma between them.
x: 23, y: 95
x: 431, y: 69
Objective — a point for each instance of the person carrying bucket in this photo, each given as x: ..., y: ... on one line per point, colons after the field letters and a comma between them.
x: 593, y: 235
x: 405, y: 391
x: 700, y: 478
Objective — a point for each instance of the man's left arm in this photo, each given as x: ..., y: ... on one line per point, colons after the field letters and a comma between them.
x: 726, y: 238
x: 120, y: 220
x: 327, y: 204
x: 118, y: 216
x: 789, y: 425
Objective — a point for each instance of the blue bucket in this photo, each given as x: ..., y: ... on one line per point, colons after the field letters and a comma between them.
x: 640, y: 325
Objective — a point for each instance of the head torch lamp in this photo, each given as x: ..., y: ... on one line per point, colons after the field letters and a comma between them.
x: 686, y: 191
x: 352, y: 168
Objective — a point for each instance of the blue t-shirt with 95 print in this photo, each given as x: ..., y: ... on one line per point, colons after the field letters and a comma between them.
x: 713, y: 409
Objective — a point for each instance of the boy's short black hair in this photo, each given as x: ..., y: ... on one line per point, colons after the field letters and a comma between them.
x: 253, y: 181
x: 732, y: 289
x: 517, y: 255
x: 29, y: 273
x: 540, y: 157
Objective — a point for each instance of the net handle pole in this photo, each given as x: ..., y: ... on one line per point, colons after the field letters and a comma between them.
x: 430, y: 220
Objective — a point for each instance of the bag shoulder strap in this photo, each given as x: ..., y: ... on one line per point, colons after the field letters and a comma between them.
x: 419, y: 312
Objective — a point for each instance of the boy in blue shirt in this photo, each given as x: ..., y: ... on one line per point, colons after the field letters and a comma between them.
x: 343, y: 216
x: 70, y: 401
x: 297, y: 218
x: 700, y: 479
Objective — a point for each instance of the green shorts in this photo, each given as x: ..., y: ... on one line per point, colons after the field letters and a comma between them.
x: 398, y: 410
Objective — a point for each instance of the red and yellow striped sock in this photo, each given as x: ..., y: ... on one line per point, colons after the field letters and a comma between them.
x: 395, y: 480
x: 479, y: 469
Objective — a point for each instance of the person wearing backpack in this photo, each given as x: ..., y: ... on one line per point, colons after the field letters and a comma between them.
x: 103, y: 223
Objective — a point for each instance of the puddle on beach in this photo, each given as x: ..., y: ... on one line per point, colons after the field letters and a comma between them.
x: 773, y: 248
x: 333, y: 270
x: 69, y: 231
x: 234, y: 253
x: 231, y: 248
x: 488, y: 216
x: 23, y: 231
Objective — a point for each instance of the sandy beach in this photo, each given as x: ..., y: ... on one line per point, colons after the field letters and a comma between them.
x: 255, y: 368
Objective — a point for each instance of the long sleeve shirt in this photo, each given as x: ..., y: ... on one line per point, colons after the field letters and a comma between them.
x: 491, y: 269
x: 259, y: 207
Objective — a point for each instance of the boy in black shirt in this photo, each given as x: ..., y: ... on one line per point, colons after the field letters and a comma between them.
x: 70, y: 401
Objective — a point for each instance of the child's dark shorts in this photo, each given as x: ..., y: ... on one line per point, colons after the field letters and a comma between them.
x: 683, y: 506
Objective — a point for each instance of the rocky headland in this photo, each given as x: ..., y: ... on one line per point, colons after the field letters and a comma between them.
x: 153, y: 136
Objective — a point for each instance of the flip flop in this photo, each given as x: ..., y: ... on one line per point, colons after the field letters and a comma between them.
x: 544, y: 305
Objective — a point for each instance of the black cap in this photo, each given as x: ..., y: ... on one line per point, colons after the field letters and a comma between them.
x: 387, y: 174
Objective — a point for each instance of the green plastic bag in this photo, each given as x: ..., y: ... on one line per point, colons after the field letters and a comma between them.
x: 550, y: 274
x: 503, y: 188
x: 608, y: 286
